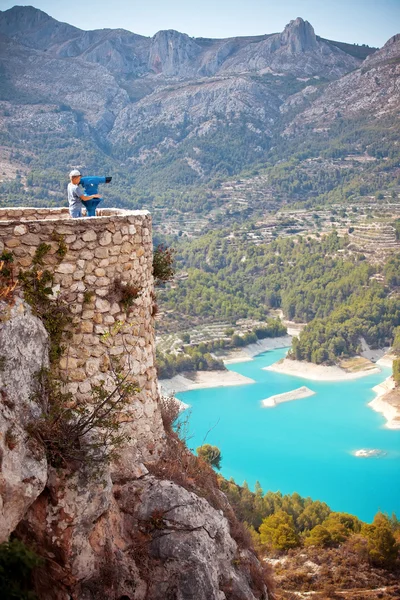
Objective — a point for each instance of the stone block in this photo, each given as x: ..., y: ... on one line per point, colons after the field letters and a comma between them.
x: 126, y: 248
x: 68, y: 362
x: 105, y: 238
x: 101, y: 252
x: 31, y: 239
x: 66, y: 268
x: 102, y: 281
x: 102, y: 292
x: 20, y: 230
x: 89, y: 236
x: 12, y: 243
x: 92, y: 367
x: 79, y: 275
x: 102, y: 305
x: 117, y: 350
x: 88, y: 314
x: 25, y: 261
x: 117, y: 238
x: 87, y: 327
x: 90, y: 340
x: 114, y: 308
x: 78, y: 245
x: 99, y: 272
x: 77, y: 375
x: 86, y: 255
x: 85, y: 387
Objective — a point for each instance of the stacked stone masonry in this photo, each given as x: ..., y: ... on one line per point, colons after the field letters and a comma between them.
x: 116, y: 245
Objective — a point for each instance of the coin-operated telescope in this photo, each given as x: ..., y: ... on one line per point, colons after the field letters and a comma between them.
x: 90, y: 185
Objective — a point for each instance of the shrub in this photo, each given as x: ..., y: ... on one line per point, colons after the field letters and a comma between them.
x: 86, y: 433
x: 125, y: 293
x: 211, y: 454
x: 163, y: 264
x: 16, y: 565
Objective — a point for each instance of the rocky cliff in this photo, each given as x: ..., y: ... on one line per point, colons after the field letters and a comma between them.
x: 152, y: 523
x: 172, y: 110
x: 103, y: 73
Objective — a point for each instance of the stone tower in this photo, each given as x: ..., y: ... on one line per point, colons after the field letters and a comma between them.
x: 100, y: 254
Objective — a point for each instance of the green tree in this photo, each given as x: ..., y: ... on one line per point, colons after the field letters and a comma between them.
x: 318, y: 536
x: 211, y: 454
x: 382, y: 546
x: 278, y: 532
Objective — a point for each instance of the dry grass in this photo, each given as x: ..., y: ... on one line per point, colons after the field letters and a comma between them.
x: 358, y: 363
x: 179, y: 465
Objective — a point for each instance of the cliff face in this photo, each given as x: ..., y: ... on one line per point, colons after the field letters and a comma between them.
x: 132, y: 536
x: 373, y: 89
x: 114, y: 531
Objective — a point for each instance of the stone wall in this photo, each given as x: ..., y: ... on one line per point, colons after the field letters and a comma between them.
x: 116, y: 245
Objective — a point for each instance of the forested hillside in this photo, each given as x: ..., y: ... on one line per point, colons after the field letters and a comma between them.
x: 315, y: 548
x: 318, y: 281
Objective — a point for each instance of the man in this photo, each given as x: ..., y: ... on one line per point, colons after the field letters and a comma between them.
x: 76, y: 195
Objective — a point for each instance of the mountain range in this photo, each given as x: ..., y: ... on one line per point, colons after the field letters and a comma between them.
x: 173, y: 110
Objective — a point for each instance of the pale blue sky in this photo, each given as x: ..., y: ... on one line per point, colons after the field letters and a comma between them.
x: 371, y: 22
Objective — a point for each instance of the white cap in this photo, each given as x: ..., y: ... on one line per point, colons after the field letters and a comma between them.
x: 74, y: 173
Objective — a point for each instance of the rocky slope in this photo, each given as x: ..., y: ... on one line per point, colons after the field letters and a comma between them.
x: 102, y: 72
x: 134, y: 537
x: 172, y: 110
x: 373, y: 90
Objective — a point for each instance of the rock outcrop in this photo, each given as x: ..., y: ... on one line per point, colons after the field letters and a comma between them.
x: 111, y: 536
x: 373, y: 89
x: 105, y: 530
x: 23, y: 472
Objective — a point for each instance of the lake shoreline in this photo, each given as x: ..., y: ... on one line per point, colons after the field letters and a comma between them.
x: 313, y: 372
x: 247, y: 353
x: 385, y: 401
x: 202, y: 380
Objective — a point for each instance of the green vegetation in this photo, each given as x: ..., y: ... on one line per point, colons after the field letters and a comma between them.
x: 36, y: 284
x: 163, y: 264
x: 279, y: 523
x: 396, y: 351
x: 169, y: 365
x: 16, y: 565
x: 211, y: 454
x: 318, y: 281
x: 85, y: 433
x: 198, y: 357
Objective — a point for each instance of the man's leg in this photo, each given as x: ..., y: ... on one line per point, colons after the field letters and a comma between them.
x: 75, y: 212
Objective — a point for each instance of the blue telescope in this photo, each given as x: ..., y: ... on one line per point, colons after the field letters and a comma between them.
x: 90, y: 185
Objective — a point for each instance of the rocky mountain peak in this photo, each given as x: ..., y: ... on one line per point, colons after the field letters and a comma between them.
x: 299, y: 36
x: 171, y: 51
x: 393, y: 40
x: 35, y: 28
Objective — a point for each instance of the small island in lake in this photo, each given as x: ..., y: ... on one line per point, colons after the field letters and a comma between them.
x: 369, y: 453
x: 299, y: 393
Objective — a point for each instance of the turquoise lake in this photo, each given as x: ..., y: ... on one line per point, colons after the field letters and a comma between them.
x: 302, y: 446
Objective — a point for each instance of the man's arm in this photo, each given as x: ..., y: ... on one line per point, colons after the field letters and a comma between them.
x: 84, y: 198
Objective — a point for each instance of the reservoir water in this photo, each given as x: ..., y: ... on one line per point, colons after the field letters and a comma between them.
x: 305, y: 445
